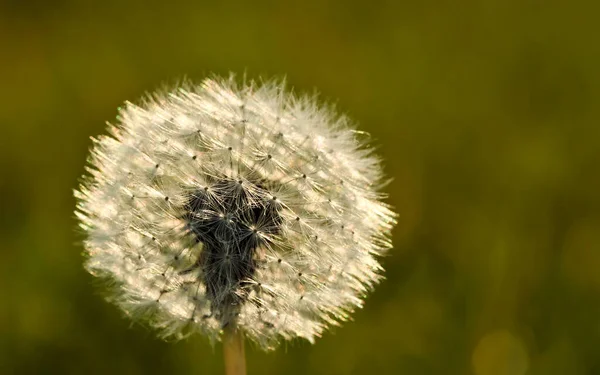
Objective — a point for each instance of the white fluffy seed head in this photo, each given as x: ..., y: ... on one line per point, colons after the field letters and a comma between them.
x: 225, y: 204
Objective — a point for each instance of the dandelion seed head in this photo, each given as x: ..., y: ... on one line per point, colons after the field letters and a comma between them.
x: 226, y: 204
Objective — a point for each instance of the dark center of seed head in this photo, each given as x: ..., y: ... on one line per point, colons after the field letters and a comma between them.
x: 232, y: 224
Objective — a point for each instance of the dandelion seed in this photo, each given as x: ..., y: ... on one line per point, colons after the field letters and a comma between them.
x: 225, y: 205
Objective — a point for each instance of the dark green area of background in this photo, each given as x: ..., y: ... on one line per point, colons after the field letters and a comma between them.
x: 486, y: 113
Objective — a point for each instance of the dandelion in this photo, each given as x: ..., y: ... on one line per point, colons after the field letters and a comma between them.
x: 234, y: 210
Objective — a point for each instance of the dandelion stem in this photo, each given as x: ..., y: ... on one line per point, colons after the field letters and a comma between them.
x: 233, y: 351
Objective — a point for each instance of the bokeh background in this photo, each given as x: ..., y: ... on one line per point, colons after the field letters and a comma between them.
x: 486, y: 113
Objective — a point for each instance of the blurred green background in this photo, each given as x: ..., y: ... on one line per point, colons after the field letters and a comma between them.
x: 486, y: 113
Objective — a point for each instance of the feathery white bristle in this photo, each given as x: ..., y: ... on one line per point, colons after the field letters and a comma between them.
x: 224, y: 204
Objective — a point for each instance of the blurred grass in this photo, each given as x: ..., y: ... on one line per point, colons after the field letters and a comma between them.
x: 485, y: 111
